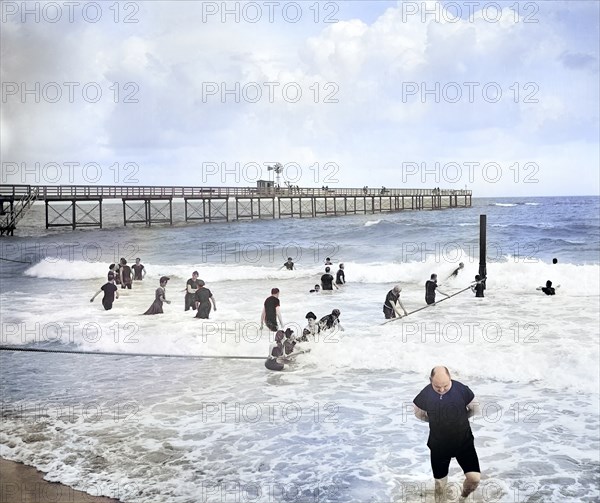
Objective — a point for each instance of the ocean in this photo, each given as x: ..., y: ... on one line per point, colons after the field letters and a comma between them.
x: 337, y: 424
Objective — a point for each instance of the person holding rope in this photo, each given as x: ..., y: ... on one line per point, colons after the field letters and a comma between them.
x: 276, y: 351
x: 393, y: 304
x: 430, y: 288
x: 431, y: 303
x: 478, y: 287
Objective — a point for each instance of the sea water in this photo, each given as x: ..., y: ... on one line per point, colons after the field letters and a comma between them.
x: 337, y: 424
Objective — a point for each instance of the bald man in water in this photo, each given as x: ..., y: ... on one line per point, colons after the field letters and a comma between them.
x: 447, y: 406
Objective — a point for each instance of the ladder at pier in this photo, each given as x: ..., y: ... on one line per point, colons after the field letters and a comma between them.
x: 19, y: 198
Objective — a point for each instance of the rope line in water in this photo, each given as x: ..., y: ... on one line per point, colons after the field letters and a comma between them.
x: 109, y: 353
x: 18, y: 261
x: 429, y: 305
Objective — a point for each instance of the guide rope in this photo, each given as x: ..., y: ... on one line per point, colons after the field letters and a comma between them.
x: 110, y: 353
x: 18, y: 261
x: 429, y: 305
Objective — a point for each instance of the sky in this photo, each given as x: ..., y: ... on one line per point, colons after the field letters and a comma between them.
x: 499, y: 97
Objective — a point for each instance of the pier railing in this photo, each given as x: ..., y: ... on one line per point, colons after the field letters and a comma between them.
x: 154, y: 205
x: 67, y: 192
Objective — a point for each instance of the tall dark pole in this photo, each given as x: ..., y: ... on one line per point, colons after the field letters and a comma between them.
x: 482, y: 245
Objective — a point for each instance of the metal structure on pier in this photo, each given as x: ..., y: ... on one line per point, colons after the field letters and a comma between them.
x: 78, y: 206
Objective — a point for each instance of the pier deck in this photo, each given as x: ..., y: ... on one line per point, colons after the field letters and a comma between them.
x: 81, y: 205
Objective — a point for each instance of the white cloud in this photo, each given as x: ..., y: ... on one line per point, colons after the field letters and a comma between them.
x: 379, y: 70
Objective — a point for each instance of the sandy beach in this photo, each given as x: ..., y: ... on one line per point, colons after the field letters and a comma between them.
x: 25, y: 484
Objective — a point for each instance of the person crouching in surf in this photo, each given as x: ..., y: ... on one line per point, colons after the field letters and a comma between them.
x: 331, y: 321
x: 290, y: 341
x: 312, y: 329
x: 276, y: 350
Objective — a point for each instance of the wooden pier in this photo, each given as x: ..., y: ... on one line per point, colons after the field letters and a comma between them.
x: 77, y: 206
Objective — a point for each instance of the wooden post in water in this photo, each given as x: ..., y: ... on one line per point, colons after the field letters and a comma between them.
x: 482, y: 246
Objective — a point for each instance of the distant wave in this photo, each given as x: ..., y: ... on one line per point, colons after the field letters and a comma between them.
x: 372, y: 222
x: 507, y: 270
x: 514, y: 204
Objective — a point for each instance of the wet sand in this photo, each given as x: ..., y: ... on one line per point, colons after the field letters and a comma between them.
x: 25, y: 484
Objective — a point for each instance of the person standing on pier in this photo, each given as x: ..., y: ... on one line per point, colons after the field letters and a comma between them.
x: 159, y: 297
x: 191, y: 287
x: 271, y: 312
x: 139, y: 271
x: 430, y: 288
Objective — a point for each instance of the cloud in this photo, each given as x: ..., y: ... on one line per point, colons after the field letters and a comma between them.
x: 372, y: 91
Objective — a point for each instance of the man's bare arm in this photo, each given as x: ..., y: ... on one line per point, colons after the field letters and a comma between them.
x: 421, y: 414
x: 473, y: 408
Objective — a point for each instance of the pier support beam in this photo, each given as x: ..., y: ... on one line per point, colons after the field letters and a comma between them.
x: 147, y: 211
x: 218, y: 209
x: 74, y: 214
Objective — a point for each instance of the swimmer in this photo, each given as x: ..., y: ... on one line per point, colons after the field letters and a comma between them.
x: 316, y: 289
x: 340, y: 277
x: 159, y: 297
x: 203, y: 300
x: 139, y: 271
x: 312, y: 329
x: 393, y: 304
x: 271, y: 312
x: 289, y: 265
x: 447, y: 405
x: 276, y: 352
x: 331, y: 321
x: 479, y: 287
x: 430, y: 288
x: 289, y: 342
x: 548, y: 289
x: 191, y: 287
x: 110, y: 292
x: 125, y: 273
x: 327, y: 281
x: 455, y: 272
